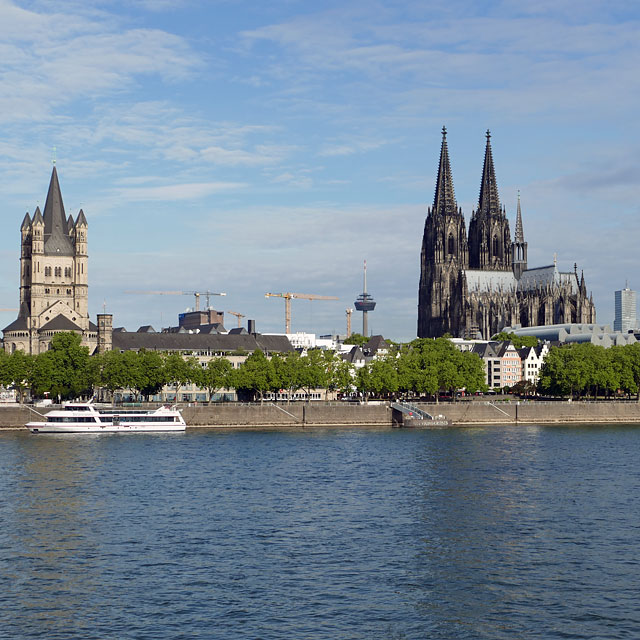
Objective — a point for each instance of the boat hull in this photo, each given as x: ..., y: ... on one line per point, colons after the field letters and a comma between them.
x: 44, y: 427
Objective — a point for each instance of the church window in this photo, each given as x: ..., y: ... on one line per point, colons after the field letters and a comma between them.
x: 451, y: 245
x: 46, y: 290
x: 67, y: 272
x: 495, y: 245
x: 68, y: 292
x: 47, y: 271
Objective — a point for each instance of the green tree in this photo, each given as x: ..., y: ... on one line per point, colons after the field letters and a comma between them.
x: 216, y: 375
x: 152, y: 373
x: 114, y: 374
x: 356, y: 338
x: 15, y: 370
x: 383, y: 376
x: 518, y: 341
x: 256, y: 375
x: 289, y: 372
x: 314, y: 372
x: 64, y: 370
x: 633, y: 367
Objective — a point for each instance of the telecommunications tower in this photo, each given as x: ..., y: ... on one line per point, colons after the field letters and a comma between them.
x: 365, y: 303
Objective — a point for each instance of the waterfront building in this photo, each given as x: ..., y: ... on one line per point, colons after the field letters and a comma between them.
x: 625, y: 308
x: 234, y: 346
x: 502, y: 363
x: 532, y: 359
x: 475, y: 286
x: 54, y: 279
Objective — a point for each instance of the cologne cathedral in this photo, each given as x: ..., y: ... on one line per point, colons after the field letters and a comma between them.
x: 472, y: 287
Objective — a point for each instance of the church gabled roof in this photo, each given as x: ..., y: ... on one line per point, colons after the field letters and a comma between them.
x: 56, y: 233
x: 60, y: 323
x: 81, y: 220
x: 444, y: 201
x: 489, y: 201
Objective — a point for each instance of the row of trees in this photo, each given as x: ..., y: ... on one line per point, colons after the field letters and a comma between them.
x: 580, y: 370
x: 422, y: 367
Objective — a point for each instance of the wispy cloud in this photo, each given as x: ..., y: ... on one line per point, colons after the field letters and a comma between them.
x: 173, y: 192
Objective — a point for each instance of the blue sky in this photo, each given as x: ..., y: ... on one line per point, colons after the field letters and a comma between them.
x: 247, y: 147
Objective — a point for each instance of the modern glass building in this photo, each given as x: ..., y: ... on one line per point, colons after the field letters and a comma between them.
x: 625, y: 318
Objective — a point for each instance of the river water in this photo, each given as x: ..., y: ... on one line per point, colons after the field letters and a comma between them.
x: 496, y: 532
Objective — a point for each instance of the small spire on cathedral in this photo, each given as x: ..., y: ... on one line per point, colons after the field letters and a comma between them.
x: 444, y: 131
x: 53, y: 159
x: 519, y: 236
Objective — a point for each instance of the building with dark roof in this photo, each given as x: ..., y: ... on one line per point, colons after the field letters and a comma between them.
x: 53, y: 279
x: 474, y: 287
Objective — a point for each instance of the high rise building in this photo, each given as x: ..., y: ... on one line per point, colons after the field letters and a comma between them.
x: 625, y: 318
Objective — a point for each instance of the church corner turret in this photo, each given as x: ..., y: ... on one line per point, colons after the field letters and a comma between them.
x: 476, y: 287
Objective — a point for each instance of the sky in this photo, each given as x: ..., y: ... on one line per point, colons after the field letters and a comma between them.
x: 247, y: 147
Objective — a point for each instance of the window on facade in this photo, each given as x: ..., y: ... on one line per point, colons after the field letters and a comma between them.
x: 451, y: 245
x: 67, y: 272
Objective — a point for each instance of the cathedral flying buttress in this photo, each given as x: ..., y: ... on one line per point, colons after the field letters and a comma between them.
x: 475, y: 287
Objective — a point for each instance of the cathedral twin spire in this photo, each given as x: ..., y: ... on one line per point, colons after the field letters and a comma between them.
x: 444, y: 201
x: 489, y: 200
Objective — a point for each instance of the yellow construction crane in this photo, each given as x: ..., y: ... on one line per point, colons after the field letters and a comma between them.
x: 237, y: 315
x: 197, y: 295
x: 287, y: 304
x: 349, y: 312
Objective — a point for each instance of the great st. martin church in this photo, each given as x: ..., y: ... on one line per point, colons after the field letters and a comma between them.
x: 476, y: 287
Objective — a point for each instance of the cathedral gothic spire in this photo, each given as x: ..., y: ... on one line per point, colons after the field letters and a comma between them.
x: 489, y: 235
x: 489, y: 201
x: 444, y: 201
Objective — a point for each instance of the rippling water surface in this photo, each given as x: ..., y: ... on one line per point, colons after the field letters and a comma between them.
x: 454, y: 533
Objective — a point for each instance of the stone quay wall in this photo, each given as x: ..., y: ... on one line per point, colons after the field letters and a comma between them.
x: 320, y: 414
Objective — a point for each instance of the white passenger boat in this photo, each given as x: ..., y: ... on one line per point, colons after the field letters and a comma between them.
x: 83, y: 417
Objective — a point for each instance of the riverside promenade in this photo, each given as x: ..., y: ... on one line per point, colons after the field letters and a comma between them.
x: 375, y: 413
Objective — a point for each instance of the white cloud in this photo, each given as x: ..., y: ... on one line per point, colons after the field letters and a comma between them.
x: 173, y: 192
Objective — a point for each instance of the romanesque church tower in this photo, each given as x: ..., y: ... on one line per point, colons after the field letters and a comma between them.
x: 53, y: 278
x: 445, y: 253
